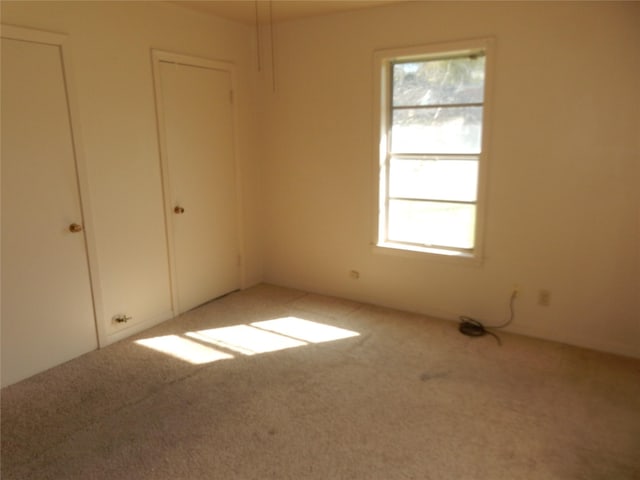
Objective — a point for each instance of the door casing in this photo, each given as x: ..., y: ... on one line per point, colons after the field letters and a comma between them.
x: 79, y: 186
x: 160, y: 57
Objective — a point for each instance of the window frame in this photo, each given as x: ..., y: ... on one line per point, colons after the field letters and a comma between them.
x: 383, y: 84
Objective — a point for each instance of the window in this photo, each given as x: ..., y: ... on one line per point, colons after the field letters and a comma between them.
x: 432, y: 148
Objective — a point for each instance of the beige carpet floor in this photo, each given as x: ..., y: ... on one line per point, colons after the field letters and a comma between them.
x: 274, y: 383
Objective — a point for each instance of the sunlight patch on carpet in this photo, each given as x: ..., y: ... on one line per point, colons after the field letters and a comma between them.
x: 246, y: 339
x: 184, y: 349
x: 259, y: 337
x: 312, y: 332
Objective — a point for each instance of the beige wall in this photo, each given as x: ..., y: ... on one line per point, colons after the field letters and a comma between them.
x: 110, y: 46
x: 563, y: 192
x: 563, y: 203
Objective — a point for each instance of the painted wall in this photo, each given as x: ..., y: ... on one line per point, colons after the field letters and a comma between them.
x: 563, y: 196
x: 110, y: 45
x: 563, y: 205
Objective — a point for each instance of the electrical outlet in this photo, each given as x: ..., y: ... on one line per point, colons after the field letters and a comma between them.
x: 121, y: 319
x: 544, y: 298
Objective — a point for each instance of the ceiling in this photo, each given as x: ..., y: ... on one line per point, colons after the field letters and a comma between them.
x: 246, y: 11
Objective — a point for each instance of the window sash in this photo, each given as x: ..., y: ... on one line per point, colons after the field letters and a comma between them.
x: 401, y: 227
x: 429, y: 177
x: 454, y: 241
x: 432, y: 131
x: 441, y: 98
x: 468, y: 69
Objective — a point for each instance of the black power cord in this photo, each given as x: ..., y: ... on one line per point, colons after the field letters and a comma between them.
x: 474, y: 328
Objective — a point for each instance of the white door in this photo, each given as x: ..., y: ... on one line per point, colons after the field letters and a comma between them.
x: 197, y: 128
x: 47, y: 309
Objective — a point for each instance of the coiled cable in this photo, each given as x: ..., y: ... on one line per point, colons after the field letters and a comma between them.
x: 474, y: 328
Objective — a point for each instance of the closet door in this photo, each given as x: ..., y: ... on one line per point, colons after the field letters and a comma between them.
x: 196, y: 112
x: 47, y: 309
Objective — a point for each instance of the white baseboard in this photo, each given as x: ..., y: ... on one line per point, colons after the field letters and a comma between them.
x: 137, y: 327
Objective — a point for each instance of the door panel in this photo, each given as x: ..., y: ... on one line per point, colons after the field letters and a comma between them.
x: 47, y: 309
x: 198, y: 134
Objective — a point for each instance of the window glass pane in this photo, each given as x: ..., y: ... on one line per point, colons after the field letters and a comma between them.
x: 439, y: 82
x: 437, y: 130
x: 431, y: 223
x: 434, y: 179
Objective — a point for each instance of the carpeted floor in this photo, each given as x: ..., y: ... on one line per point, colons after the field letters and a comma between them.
x: 247, y: 387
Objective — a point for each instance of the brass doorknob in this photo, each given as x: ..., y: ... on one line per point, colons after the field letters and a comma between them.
x: 75, y: 228
x: 178, y: 210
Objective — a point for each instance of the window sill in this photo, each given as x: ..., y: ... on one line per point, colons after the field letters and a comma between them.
x: 427, y: 253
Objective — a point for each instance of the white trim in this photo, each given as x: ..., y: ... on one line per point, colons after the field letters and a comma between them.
x: 417, y: 253
x: 157, y: 57
x: 382, y: 63
x: 435, y: 50
x: 82, y: 177
x: 128, y: 330
x: 14, y: 32
x: 591, y: 342
x: 85, y: 203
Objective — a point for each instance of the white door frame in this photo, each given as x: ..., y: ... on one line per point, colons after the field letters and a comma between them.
x: 158, y: 56
x: 61, y: 41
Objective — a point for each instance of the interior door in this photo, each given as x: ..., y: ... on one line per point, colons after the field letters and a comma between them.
x: 197, y: 121
x: 47, y: 308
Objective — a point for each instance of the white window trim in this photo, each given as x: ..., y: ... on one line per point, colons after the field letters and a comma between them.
x: 382, y: 64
